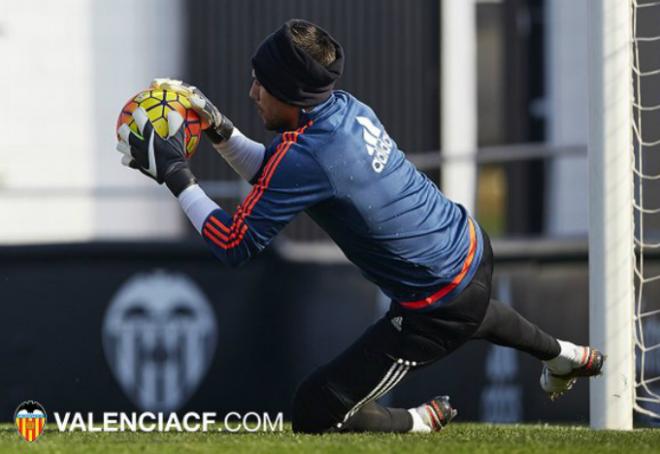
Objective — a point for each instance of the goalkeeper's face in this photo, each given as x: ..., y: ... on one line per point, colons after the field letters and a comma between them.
x: 276, y: 115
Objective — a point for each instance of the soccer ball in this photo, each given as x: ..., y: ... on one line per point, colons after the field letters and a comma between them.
x: 157, y: 103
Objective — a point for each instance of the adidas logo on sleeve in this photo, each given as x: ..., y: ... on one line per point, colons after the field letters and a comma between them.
x: 378, y: 143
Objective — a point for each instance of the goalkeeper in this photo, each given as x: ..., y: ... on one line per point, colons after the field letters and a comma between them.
x: 333, y: 159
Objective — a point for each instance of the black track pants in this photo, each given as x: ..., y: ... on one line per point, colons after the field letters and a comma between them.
x: 340, y: 395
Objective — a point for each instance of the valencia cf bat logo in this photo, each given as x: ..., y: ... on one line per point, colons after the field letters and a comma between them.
x: 30, y: 419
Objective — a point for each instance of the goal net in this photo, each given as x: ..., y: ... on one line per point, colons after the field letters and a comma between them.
x: 646, y: 204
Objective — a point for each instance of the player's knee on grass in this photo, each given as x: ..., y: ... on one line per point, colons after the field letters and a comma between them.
x: 316, y: 408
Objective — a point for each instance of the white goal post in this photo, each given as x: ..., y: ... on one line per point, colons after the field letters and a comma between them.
x: 624, y: 203
x: 611, y: 247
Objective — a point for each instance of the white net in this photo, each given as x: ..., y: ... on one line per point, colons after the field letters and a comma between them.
x: 646, y: 203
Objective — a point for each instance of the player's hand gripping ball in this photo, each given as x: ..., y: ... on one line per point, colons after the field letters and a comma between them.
x: 157, y: 103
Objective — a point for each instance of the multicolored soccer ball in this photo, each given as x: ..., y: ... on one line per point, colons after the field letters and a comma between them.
x: 157, y: 103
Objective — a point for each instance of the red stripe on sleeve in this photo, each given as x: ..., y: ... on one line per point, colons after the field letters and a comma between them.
x: 236, y: 233
x: 219, y: 224
x: 218, y: 234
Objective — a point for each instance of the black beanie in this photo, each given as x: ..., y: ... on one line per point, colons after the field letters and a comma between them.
x: 290, y: 74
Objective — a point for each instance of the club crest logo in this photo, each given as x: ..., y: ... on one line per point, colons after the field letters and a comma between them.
x: 30, y: 419
x: 159, y: 337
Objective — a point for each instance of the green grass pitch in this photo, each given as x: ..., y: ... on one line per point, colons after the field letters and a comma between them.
x: 458, y: 438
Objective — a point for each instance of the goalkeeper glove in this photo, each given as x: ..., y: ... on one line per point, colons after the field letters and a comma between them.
x: 163, y: 160
x: 220, y: 127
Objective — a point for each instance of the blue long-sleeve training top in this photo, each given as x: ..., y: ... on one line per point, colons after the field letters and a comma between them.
x: 390, y: 220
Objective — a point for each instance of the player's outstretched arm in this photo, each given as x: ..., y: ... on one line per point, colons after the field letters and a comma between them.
x: 244, y: 155
x: 288, y: 183
x: 164, y: 160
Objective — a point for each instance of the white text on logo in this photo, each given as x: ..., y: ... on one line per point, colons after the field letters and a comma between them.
x: 379, y: 144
